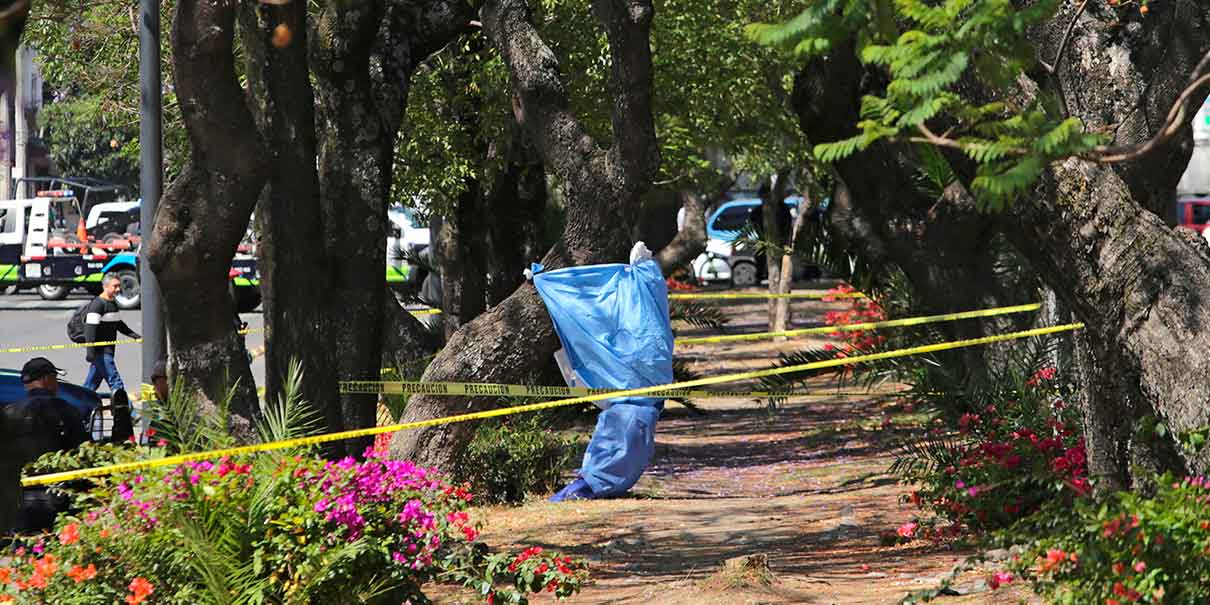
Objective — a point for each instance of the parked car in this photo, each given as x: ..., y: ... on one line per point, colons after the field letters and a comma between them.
x: 721, y: 262
x: 1193, y: 212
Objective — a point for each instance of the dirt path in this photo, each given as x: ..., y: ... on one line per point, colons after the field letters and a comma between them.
x: 805, y: 485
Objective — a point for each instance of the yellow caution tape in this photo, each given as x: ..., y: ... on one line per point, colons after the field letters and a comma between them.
x: 757, y: 295
x: 101, y: 343
x: 487, y: 389
x: 106, y: 343
x: 532, y: 407
x: 873, y: 325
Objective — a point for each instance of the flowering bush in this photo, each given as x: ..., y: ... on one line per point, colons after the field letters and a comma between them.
x: 1129, y: 549
x: 279, y: 529
x: 1019, y: 451
x: 861, y: 310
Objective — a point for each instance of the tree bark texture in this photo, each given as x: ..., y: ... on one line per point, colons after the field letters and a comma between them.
x: 292, y: 256
x: 461, y: 257
x: 599, y: 185
x: 1098, y: 235
x: 516, y: 200
x: 205, y: 211
x: 1095, y: 233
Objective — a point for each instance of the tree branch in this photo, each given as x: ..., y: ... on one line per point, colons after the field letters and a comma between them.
x: 1054, y: 67
x: 628, y: 24
x: 540, y: 104
x: 1177, y: 118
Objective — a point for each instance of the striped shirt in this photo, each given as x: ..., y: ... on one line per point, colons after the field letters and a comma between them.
x: 102, y: 323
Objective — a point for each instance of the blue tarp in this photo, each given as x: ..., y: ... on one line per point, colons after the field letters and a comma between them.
x: 613, y: 323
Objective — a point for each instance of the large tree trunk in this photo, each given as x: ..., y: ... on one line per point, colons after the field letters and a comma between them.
x: 1094, y: 232
x: 1098, y: 234
x: 291, y: 225
x: 205, y: 211
x: 324, y: 214
x: 601, y: 189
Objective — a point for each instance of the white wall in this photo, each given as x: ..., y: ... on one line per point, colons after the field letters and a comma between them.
x: 1196, y: 179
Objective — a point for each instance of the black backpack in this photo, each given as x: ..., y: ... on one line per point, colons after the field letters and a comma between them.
x: 75, y: 325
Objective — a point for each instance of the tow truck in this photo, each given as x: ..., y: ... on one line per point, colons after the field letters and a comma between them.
x: 36, y: 249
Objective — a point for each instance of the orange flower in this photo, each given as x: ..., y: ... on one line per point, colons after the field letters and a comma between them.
x: 6, y: 575
x: 81, y: 574
x: 7, y: 598
x: 70, y: 534
x: 45, y: 566
x: 140, y: 588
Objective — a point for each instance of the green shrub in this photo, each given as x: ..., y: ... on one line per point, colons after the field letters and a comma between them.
x: 507, y: 461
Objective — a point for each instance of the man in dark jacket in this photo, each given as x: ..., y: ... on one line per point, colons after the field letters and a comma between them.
x: 40, y: 423
x: 102, y: 324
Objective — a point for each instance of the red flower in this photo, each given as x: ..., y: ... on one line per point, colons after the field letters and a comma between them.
x: 70, y: 534
x: 81, y: 574
x: 140, y: 589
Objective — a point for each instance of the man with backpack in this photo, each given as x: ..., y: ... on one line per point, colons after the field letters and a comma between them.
x: 98, y: 322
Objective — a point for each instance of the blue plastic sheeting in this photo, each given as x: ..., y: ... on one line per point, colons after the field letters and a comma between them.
x: 613, y: 323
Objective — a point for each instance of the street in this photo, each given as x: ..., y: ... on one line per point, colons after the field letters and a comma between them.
x: 26, y: 320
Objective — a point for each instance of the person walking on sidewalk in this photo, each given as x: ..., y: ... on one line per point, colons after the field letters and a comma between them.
x: 102, y: 324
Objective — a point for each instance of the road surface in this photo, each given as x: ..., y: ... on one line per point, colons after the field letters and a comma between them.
x: 27, y: 320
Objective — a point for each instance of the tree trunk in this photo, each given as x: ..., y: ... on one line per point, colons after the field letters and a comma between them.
x: 601, y: 188
x: 772, y: 198
x: 325, y: 212
x: 516, y: 201
x: 204, y: 212
x: 460, y: 254
x: 690, y: 239
x: 781, y: 307
x: 294, y: 264
x: 1098, y: 234
x: 1094, y: 232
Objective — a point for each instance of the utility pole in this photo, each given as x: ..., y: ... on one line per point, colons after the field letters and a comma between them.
x: 20, y: 122
x: 151, y: 173
x: 6, y: 144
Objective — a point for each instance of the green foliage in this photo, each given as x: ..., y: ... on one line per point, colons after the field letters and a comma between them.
x: 698, y: 315
x: 938, y: 48
x: 1130, y: 548
x: 505, y: 462
x: 88, y: 53
x: 729, y: 101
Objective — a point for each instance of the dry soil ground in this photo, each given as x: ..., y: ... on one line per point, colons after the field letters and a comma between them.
x: 805, y: 485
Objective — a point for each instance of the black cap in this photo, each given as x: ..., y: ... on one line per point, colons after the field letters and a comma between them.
x: 159, y: 370
x: 38, y: 367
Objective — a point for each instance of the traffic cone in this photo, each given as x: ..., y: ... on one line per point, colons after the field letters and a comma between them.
x: 82, y: 233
